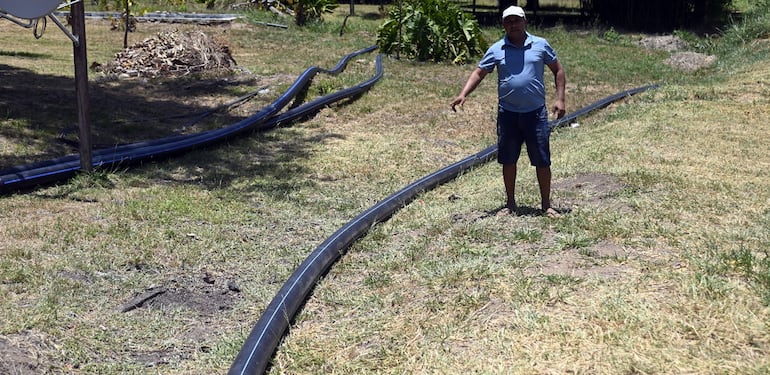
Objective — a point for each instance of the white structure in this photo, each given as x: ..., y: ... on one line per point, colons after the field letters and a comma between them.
x: 29, y: 9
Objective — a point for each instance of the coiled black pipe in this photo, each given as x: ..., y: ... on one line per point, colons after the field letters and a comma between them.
x: 59, y: 169
x: 263, y: 340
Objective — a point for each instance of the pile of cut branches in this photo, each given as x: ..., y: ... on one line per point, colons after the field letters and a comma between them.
x: 171, y: 53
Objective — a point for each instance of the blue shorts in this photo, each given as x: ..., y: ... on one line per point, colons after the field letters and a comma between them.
x: 515, y: 129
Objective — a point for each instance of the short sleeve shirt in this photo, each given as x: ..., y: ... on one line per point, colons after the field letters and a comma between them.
x: 520, y: 85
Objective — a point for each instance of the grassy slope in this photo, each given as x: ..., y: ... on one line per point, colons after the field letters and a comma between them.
x: 445, y: 288
x: 652, y: 280
x: 657, y: 275
x: 666, y: 274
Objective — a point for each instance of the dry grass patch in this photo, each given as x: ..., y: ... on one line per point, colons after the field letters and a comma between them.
x: 655, y: 269
x: 640, y: 277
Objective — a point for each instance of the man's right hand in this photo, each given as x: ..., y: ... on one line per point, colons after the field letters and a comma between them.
x: 460, y: 100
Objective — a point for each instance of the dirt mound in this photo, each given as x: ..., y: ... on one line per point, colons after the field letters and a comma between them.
x: 171, y: 53
x: 24, y: 353
x: 679, y: 59
x: 668, y: 43
x: 690, y: 61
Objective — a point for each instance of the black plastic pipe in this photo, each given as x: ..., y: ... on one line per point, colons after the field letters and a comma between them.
x: 262, y: 342
x: 599, y: 104
x: 60, y: 169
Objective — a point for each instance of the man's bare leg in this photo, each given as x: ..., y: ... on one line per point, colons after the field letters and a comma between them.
x: 509, y: 180
x: 544, y: 180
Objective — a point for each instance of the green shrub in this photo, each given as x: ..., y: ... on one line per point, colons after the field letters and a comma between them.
x: 736, y: 42
x: 313, y: 10
x: 434, y: 30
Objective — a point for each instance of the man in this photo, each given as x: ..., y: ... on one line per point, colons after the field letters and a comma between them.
x: 520, y: 59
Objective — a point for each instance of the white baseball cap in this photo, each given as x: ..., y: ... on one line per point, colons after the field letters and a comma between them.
x: 514, y: 11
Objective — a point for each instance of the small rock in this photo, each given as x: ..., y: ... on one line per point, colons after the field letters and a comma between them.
x: 231, y: 285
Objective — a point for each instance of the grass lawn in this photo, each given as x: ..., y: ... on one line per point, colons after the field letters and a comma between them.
x: 660, y: 266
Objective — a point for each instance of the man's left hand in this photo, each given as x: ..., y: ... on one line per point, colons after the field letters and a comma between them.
x: 559, y: 109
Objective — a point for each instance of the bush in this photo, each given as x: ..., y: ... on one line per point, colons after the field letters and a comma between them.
x: 737, y: 40
x: 312, y: 10
x: 434, y: 30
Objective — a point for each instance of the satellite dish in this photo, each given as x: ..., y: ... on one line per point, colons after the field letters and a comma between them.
x: 29, y: 9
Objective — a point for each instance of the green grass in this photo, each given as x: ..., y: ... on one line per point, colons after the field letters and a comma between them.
x: 660, y: 267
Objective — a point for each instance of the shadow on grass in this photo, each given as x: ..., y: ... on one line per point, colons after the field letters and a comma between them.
x: 38, y: 112
x: 524, y: 211
x: 29, y: 55
x: 270, y: 163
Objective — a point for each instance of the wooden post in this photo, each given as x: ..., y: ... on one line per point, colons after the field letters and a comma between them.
x: 77, y: 18
x: 400, y: 24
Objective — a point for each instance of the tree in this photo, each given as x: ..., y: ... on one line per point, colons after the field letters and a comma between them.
x: 126, y: 21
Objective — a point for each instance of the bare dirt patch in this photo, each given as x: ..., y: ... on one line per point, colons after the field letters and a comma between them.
x: 206, y: 295
x: 590, y: 190
x: 690, y: 61
x: 24, y: 353
x: 603, y: 260
x: 668, y: 43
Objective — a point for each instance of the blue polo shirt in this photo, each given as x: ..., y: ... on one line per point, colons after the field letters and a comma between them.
x: 520, y: 85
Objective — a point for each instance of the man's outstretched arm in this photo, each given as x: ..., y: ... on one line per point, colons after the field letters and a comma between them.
x: 474, y: 79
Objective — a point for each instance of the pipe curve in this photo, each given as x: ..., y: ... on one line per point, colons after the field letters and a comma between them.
x: 262, y: 342
x: 60, y: 169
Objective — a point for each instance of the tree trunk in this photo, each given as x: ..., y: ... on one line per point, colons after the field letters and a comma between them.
x: 126, y: 23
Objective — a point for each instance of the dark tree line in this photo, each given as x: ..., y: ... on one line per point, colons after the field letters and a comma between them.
x: 642, y: 15
x: 659, y: 15
x: 648, y: 15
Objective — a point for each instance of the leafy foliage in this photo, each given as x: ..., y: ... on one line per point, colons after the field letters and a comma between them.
x: 209, y: 3
x: 126, y: 21
x: 431, y: 30
x: 313, y: 10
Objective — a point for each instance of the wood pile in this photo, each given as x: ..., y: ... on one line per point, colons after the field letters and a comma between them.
x: 171, y: 53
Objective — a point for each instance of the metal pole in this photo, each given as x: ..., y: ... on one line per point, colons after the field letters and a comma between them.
x: 77, y: 18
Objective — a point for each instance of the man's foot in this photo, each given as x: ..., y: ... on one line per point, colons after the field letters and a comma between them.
x: 506, y: 211
x: 552, y: 213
